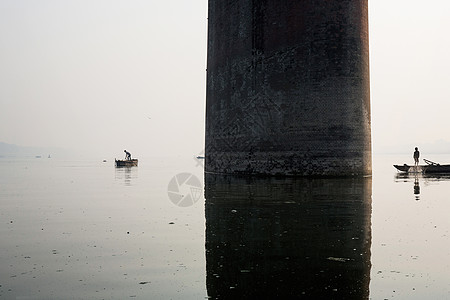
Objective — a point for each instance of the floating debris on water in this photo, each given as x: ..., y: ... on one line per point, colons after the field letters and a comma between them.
x: 339, y: 259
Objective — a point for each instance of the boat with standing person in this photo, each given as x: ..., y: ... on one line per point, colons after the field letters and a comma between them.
x: 127, y: 162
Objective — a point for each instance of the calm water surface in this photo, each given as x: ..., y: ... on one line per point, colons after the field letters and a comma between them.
x: 83, y: 229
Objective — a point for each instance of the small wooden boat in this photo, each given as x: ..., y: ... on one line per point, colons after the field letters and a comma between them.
x: 430, y: 167
x: 127, y: 163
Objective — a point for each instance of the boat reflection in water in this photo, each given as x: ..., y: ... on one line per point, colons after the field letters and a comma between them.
x: 419, y: 177
x: 287, y: 238
x: 127, y: 174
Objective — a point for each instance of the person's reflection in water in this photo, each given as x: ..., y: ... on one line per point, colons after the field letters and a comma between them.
x: 287, y: 238
x: 416, y: 187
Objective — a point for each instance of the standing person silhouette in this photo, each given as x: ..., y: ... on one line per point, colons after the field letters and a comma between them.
x: 128, y: 155
x: 416, y: 157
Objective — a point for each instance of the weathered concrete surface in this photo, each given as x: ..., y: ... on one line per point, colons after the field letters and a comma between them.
x: 288, y: 87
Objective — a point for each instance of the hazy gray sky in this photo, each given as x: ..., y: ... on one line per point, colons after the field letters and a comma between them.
x: 410, y: 79
x: 109, y: 75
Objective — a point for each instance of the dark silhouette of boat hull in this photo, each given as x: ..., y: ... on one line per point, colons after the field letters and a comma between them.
x: 429, y: 168
x: 127, y: 163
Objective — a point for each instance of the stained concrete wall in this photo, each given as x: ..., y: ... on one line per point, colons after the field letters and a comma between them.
x: 288, y: 87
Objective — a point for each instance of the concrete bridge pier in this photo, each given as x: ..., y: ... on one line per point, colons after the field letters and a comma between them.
x: 288, y: 88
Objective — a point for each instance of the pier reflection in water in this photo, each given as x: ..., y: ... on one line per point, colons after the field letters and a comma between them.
x: 293, y: 238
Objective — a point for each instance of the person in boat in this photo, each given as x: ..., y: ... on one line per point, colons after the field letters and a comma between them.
x: 127, y: 155
x: 416, y: 157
